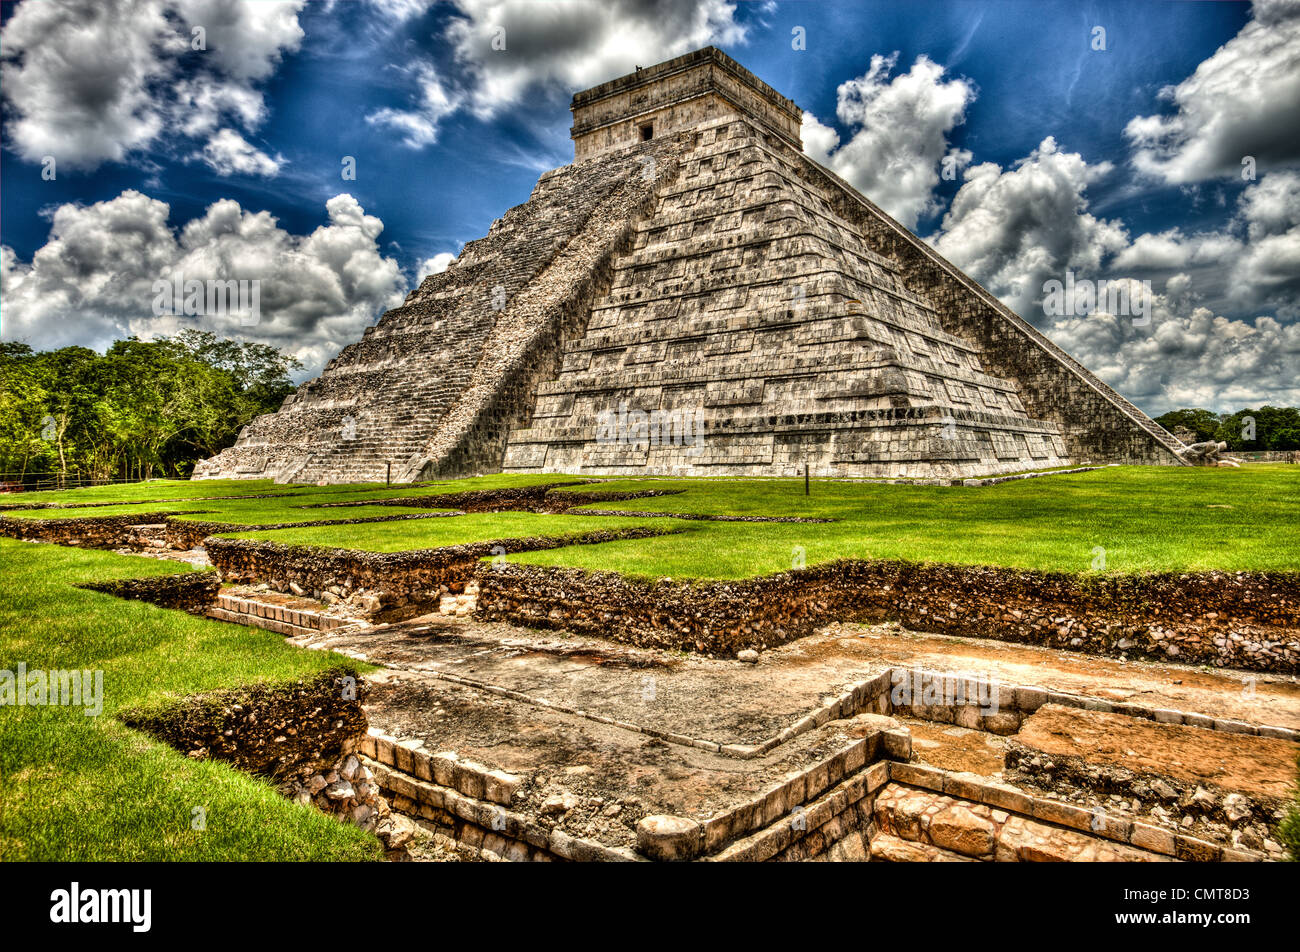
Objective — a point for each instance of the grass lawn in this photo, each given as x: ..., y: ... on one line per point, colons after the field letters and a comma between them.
x: 236, y: 511
x: 431, y: 533
x: 153, y: 489
x: 1146, y: 519
x: 76, y: 787
x: 174, y: 489
x: 250, y: 509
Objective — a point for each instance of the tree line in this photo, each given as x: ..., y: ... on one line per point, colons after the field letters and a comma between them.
x: 1268, y: 428
x: 141, y: 409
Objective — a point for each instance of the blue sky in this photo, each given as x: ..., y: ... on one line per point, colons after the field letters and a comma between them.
x: 1114, y: 163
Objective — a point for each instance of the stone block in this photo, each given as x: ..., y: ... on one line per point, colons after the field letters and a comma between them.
x: 918, y: 775
x: 1153, y: 838
x: 668, y: 838
x: 897, y: 743
x: 500, y: 787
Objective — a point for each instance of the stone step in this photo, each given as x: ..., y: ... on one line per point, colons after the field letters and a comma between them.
x: 924, y: 818
x: 274, y: 617
x: 886, y: 848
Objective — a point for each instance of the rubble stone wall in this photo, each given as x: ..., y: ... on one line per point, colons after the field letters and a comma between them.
x: 266, y: 729
x: 193, y: 592
x: 1241, y: 620
x: 402, y: 581
x: 867, y: 801
x: 91, y: 532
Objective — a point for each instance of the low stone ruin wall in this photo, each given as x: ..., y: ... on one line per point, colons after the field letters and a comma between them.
x: 1016, y: 477
x: 1242, y: 620
x: 1066, y: 774
x: 193, y: 592
x: 281, y: 619
x: 91, y: 532
x: 865, y: 801
x: 1267, y: 456
x: 401, y: 582
x: 1008, y: 706
x: 267, y: 729
x: 825, y: 809
x: 995, y: 822
x: 472, y: 500
x: 564, y: 501
x: 303, y: 735
x: 185, y: 534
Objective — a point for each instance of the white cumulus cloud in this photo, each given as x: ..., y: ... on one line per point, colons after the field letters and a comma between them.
x: 228, y: 152
x: 93, y: 280
x: 899, y: 139
x: 435, y: 265
x: 505, y: 50
x: 1188, y: 356
x: 93, y: 81
x: 1244, y: 100
x: 1012, y: 230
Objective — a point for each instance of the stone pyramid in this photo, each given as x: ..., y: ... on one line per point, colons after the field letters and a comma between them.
x: 695, y: 296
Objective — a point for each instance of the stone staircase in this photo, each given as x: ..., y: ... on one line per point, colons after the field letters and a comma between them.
x: 383, y: 399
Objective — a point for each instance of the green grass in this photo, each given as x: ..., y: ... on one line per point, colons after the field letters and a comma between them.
x: 1146, y: 519
x: 235, y: 511
x: 182, y: 489
x: 88, y: 788
x: 289, y: 506
x: 77, y: 787
x: 153, y: 489
x: 431, y: 533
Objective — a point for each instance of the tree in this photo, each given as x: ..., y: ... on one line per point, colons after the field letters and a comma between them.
x: 1268, y: 428
x: 140, y: 409
x: 1204, y: 423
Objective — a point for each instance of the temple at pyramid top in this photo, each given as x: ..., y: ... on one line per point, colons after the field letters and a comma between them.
x: 680, y: 94
x: 694, y: 295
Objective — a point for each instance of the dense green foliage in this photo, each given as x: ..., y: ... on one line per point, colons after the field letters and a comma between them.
x: 1275, y: 428
x: 141, y: 409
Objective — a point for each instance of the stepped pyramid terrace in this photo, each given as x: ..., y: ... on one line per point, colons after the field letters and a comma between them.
x: 695, y: 296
